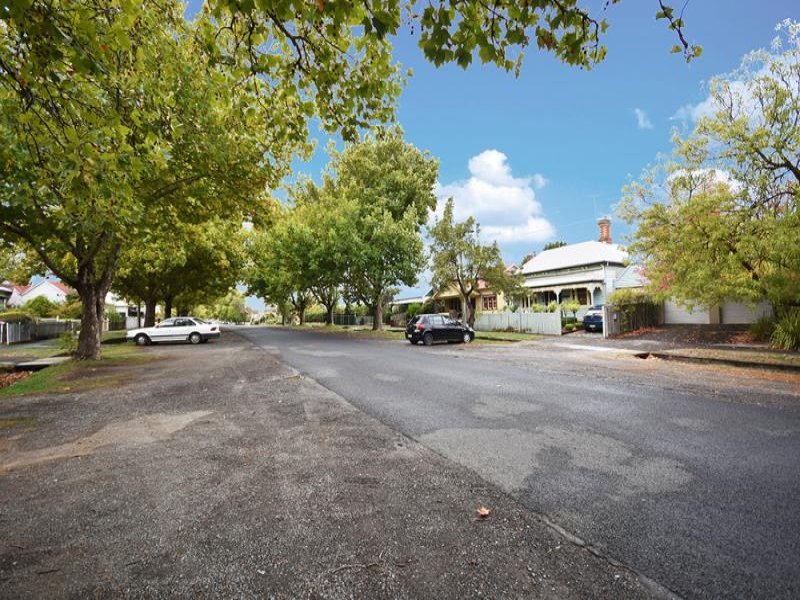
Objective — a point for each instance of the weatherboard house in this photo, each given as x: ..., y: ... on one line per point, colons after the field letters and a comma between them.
x: 583, y: 272
x: 55, y: 291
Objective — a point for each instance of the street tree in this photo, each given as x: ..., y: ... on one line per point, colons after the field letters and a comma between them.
x: 319, y: 240
x: 231, y: 307
x: 274, y: 268
x: 385, y: 188
x: 110, y: 116
x: 459, y: 259
x: 182, y: 264
x: 387, y: 253
x: 720, y: 220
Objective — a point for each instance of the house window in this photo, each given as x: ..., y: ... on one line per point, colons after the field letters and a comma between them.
x: 489, y: 302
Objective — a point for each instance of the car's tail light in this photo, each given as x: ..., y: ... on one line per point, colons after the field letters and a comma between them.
x: 213, y: 329
x: 420, y: 326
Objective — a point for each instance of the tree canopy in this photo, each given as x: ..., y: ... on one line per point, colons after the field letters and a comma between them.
x: 720, y: 220
x: 460, y: 259
x: 112, y: 120
x: 357, y: 234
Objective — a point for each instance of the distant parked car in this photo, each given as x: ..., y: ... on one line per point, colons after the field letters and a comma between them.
x: 177, y: 329
x: 593, y: 319
x: 437, y: 328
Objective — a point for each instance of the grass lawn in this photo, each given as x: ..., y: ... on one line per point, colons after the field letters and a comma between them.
x: 506, y: 336
x: 80, y: 375
x: 48, y: 348
x: 43, y: 349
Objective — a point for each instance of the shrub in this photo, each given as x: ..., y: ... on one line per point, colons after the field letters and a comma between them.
x: 114, y: 318
x: 630, y: 296
x: 413, y: 310
x: 552, y: 307
x: 315, y: 315
x: 71, y: 310
x: 41, y: 307
x: 762, y: 329
x: 570, y: 306
x: 537, y: 308
x: 15, y: 316
x: 68, y: 341
x: 787, y: 331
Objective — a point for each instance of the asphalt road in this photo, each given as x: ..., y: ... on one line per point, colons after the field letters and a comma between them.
x: 689, y: 475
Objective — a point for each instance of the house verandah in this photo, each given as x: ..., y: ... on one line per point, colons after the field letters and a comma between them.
x: 585, y: 294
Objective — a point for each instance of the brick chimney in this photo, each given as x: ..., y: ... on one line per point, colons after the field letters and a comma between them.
x: 605, y: 229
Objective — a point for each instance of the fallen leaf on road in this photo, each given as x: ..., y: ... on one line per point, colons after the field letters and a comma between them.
x: 483, y: 512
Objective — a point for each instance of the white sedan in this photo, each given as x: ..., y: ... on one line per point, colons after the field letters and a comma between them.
x: 177, y: 329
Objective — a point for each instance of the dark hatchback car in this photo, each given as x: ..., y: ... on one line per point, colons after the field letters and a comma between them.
x: 437, y: 328
x: 593, y: 320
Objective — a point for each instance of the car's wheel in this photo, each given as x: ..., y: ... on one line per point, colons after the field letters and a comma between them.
x: 427, y: 339
x: 467, y: 337
x: 195, y: 338
x: 141, y: 340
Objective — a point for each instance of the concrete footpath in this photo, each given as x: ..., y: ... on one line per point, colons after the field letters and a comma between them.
x: 217, y: 471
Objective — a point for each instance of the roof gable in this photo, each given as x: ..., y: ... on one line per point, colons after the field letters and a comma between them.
x: 62, y: 286
x: 575, y: 255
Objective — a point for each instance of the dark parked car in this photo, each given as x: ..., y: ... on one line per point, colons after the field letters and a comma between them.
x: 593, y: 319
x: 437, y: 328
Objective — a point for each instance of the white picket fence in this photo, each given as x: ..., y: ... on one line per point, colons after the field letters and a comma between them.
x: 544, y: 323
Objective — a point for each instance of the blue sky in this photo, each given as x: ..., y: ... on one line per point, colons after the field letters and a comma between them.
x: 541, y: 156
x: 581, y: 134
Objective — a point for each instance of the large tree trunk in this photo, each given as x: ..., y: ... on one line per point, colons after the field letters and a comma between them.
x: 168, y: 307
x: 329, y: 313
x: 93, y: 297
x: 469, y: 311
x: 93, y: 300
x: 150, y: 312
x: 301, y: 314
x: 377, y: 316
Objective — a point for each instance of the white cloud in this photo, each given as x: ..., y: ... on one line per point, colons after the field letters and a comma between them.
x: 539, y: 181
x: 642, y: 120
x: 504, y: 205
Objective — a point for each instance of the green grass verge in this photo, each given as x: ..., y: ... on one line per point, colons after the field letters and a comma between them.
x: 506, y: 336
x: 79, y: 375
x: 43, y: 349
x: 113, y: 336
x: 52, y: 347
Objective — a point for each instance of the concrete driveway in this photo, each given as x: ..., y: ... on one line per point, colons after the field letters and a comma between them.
x: 688, y: 474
